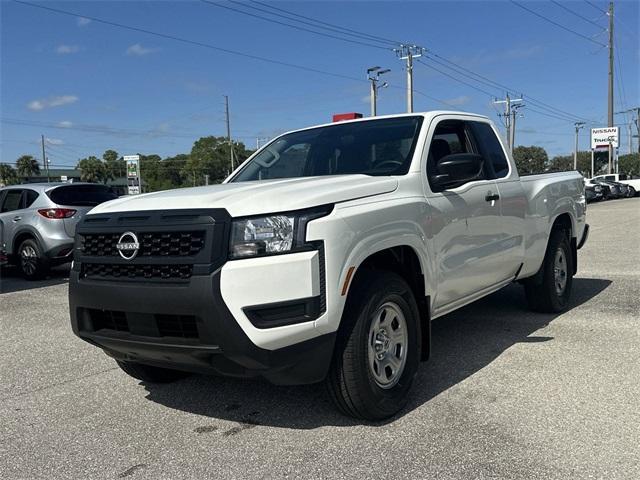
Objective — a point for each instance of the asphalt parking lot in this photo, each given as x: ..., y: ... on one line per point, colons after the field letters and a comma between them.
x: 508, y: 394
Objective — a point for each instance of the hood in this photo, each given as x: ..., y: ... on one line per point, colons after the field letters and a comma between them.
x: 259, y: 197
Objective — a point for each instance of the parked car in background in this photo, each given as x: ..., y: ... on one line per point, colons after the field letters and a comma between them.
x: 621, y: 178
x: 39, y: 222
x: 610, y: 189
x: 3, y: 251
x: 593, y: 193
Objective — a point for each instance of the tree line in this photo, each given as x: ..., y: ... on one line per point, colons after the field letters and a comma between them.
x: 534, y: 159
x: 209, y: 160
x: 210, y: 157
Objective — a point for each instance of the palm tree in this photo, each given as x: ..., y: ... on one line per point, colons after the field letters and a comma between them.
x: 7, y: 175
x: 27, y: 166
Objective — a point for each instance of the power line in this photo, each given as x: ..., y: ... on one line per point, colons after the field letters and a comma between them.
x: 454, y: 78
x: 192, y: 42
x: 595, y: 6
x: 226, y: 7
x: 576, y: 13
x: 346, y: 30
x: 553, y: 22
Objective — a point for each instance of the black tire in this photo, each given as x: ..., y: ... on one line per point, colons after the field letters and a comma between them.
x: 350, y: 382
x: 31, y: 261
x: 150, y: 374
x: 546, y: 296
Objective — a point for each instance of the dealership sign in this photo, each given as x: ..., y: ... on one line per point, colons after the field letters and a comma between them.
x: 602, y: 137
x: 132, y: 165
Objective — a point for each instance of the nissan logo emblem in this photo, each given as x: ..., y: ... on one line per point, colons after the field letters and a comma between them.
x: 128, y: 245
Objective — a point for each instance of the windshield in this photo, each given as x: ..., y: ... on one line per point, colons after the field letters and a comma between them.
x: 373, y: 147
x: 81, y: 195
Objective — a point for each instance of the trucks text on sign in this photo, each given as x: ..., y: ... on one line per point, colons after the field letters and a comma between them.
x: 602, y: 137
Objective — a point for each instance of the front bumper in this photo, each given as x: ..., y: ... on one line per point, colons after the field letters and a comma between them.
x: 221, y: 346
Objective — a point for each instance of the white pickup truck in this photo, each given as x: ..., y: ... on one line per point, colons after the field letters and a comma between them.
x: 325, y: 257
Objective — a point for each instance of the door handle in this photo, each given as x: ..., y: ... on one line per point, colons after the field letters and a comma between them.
x: 17, y: 218
x: 490, y: 197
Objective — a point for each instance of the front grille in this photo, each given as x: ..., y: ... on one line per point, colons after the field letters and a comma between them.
x: 143, y: 324
x: 177, y: 326
x: 105, y: 271
x: 109, y: 320
x: 152, y: 244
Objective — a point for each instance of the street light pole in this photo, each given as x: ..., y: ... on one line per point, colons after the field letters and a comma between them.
x: 373, y: 74
x: 578, y: 126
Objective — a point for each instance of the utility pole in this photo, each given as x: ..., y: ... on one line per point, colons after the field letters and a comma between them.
x: 509, y: 125
x: 514, y: 115
x: 373, y: 74
x: 578, y: 126
x: 45, y: 160
x: 408, y: 53
x: 635, y: 122
x: 226, y: 110
x: 610, y: 99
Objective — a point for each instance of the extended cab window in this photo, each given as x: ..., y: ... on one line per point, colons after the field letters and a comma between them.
x: 371, y: 147
x: 491, y: 149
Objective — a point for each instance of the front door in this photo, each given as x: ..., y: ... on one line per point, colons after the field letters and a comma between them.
x: 465, y: 221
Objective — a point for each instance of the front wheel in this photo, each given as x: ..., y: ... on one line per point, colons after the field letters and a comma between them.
x: 552, y: 293
x: 378, y: 348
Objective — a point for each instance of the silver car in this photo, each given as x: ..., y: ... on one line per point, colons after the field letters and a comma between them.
x: 38, y: 222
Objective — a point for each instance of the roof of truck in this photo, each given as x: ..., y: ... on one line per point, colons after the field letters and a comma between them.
x: 429, y: 114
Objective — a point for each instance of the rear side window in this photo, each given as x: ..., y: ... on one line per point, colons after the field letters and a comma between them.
x: 29, y: 197
x: 610, y: 177
x: 491, y: 148
x: 81, y: 195
x: 11, y: 201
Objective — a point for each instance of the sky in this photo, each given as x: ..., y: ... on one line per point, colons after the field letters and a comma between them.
x: 88, y: 86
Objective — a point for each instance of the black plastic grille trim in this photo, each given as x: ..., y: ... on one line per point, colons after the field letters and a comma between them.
x: 152, y: 244
x: 109, y: 320
x: 156, y: 325
x: 104, y: 271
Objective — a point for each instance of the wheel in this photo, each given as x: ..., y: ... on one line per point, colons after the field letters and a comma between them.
x: 31, y: 261
x: 378, y: 348
x: 553, y: 293
x: 150, y: 374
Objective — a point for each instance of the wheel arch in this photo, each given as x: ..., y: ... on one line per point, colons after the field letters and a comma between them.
x: 404, y: 260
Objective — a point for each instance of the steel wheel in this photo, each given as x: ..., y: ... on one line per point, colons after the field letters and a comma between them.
x: 387, y: 345
x: 28, y: 259
x: 560, y: 271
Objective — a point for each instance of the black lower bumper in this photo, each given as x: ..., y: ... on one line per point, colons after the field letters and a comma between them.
x: 219, y: 347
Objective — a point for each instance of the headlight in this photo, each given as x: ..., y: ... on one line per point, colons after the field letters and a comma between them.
x: 272, y: 234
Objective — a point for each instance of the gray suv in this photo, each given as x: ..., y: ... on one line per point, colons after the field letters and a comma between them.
x: 38, y: 222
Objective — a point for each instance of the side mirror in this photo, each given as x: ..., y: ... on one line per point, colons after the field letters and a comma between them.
x: 457, y: 169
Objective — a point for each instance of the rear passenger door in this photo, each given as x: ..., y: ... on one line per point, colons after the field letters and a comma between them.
x: 11, y: 214
x: 512, y: 201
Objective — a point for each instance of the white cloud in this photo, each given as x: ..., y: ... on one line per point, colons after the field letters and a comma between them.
x: 457, y: 101
x: 83, y: 22
x: 50, y: 102
x: 66, y: 49
x: 138, y: 50
x: 54, y: 141
x: 65, y: 124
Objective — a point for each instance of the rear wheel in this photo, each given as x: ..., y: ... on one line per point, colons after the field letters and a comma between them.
x: 31, y: 260
x: 378, y: 348
x: 150, y: 374
x: 552, y: 293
